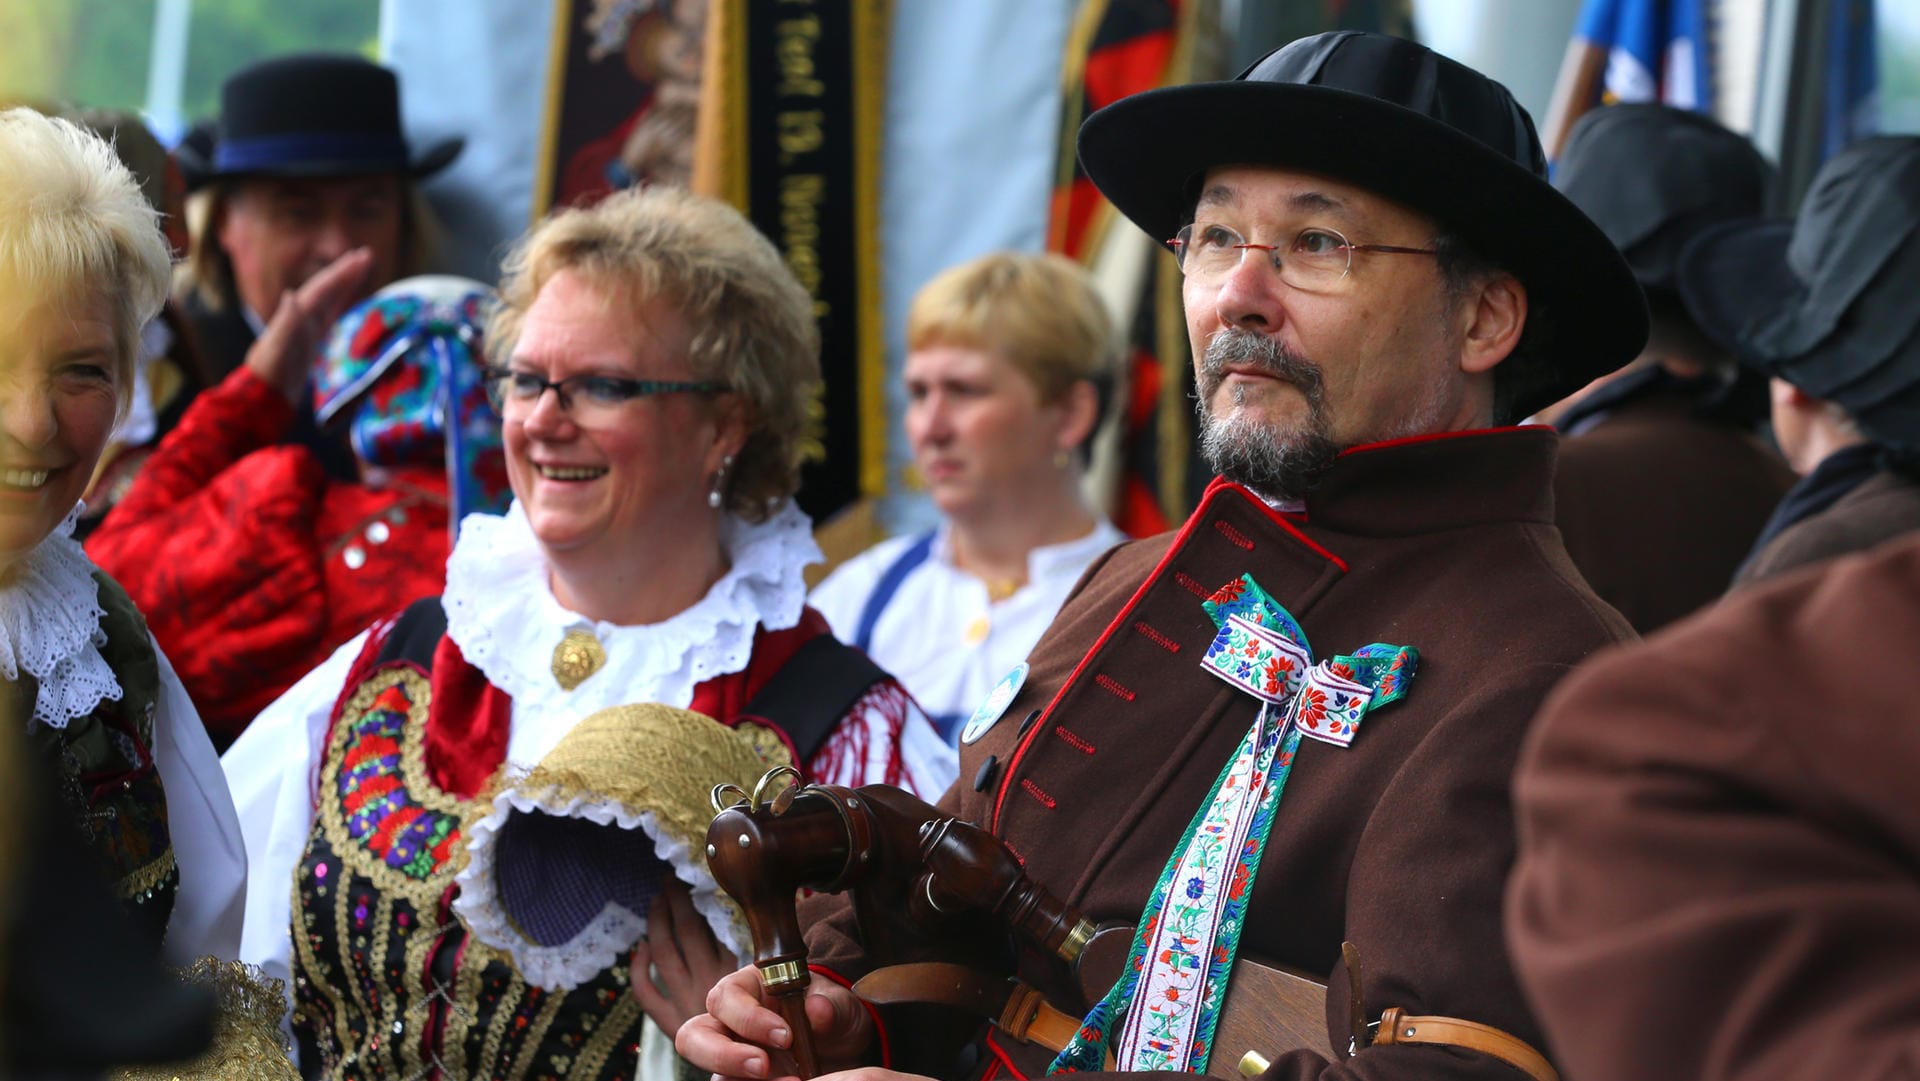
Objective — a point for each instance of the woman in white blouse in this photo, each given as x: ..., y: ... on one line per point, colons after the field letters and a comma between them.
x: 83, y: 267
x: 1010, y: 364
x: 656, y: 360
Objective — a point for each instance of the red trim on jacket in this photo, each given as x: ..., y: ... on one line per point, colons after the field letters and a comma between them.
x: 1434, y: 437
x: 1214, y: 491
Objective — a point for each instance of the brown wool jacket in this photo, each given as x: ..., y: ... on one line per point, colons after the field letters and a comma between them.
x: 1884, y: 506
x: 1719, y: 875
x: 1658, y: 507
x: 1400, y: 843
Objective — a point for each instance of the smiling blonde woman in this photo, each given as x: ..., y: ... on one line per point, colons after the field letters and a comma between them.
x: 83, y: 267
x: 654, y: 361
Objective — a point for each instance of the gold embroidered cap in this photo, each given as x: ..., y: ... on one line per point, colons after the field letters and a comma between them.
x: 564, y: 859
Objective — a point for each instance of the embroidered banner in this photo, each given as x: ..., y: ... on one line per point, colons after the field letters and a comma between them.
x: 790, y: 133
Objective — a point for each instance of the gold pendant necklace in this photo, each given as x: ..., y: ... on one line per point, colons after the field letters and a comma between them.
x: 578, y: 656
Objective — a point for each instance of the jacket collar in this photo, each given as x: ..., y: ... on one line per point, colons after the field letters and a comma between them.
x: 1429, y: 483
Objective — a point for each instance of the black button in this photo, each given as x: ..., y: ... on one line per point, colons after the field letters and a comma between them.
x: 1028, y: 723
x: 984, y: 779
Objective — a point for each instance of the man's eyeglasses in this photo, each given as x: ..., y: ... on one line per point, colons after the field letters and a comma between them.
x: 1316, y: 260
x: 589, y: 399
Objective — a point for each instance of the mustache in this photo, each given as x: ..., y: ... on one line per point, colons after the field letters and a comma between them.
x: 1243, y: 348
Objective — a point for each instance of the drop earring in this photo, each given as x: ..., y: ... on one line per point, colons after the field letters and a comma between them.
x: 715, y: 495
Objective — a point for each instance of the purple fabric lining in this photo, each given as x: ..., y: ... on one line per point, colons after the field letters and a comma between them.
x: 554, y: 875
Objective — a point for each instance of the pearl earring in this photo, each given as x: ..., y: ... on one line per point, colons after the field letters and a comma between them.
x: 715, y: 495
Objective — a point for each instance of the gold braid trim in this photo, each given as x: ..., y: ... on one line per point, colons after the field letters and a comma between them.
x: 145, y: 878
x: 247, y: 1042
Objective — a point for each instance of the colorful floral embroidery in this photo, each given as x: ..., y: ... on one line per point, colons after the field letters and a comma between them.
x: 1162, y: 1013
x: 415, y: 840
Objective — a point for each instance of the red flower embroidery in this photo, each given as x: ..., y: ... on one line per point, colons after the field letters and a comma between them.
x: 1313, y: 708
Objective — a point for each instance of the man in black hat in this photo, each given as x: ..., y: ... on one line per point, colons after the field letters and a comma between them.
x: 1377, y: 274
x: 309, y: 163
x: 1824, y: 306
x: 1663, y: 483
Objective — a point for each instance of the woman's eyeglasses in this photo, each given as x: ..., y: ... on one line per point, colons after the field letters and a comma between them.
x: 586, y: 398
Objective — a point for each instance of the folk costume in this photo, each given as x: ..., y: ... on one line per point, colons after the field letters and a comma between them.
x: 1719, y: 839
x: 1284, y: 728
x: 1825, y: 303
x: 1399, y: 842
x: 1663, y: 484
x: 118, y: 736
x: 256, y: 564
x: 941, y: 631
x: 352, y: 786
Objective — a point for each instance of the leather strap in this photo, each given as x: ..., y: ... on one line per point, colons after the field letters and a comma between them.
x: 1399, y: 1027
x: 1028, y: 1017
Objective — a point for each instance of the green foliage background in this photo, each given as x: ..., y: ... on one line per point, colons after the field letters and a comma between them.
x: 96, y: 52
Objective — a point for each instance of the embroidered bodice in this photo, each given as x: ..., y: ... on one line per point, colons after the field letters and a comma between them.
x: 78, y: 661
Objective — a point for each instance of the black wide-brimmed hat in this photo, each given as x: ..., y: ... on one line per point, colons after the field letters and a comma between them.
x: 1406, y: 123
x: 313, y: 115
x: 1652, y: 177
x: 1826, y: 301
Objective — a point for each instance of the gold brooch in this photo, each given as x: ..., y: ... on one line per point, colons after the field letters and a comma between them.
x: 578, y: 656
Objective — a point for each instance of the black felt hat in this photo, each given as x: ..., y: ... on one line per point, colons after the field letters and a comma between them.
x: 1826, y: 301
x: 1406, y: 123
x: 1652, y: 177
x: 313, y: 115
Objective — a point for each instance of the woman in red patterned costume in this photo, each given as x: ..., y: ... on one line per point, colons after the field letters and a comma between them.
x: 657, y: 362
x: 252, y: 564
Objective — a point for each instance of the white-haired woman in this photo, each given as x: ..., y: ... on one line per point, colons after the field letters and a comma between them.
x: 83, y: 267
x: 656, y: 361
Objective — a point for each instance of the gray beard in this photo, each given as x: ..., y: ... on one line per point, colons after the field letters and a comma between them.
x: 1279, y: 463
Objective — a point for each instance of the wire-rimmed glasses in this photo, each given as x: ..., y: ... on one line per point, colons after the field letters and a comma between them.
x: 1317, y: 259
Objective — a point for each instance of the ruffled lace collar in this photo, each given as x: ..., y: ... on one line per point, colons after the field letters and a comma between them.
x: 50, y: 628
x: 503, y: 616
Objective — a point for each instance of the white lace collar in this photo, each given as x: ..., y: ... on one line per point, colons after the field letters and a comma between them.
x: 503, y: 615
x: 50, y: 628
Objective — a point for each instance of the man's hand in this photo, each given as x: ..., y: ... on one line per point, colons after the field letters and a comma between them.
x: 732, y: 1039
x: 283, y: 355
x: 679, y: 961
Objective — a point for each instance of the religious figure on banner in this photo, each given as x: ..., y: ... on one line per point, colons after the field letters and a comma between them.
x: 612, y: 126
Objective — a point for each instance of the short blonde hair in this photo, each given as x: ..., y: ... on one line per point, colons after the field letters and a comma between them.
x: 752, y: 323
x: 72, y: 217
x: 1039, y: 311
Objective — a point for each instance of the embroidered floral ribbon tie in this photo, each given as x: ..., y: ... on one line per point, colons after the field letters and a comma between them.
x: 1161, y: 1013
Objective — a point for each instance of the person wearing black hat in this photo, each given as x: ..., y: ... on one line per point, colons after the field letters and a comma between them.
x: 1824, y: 306
x: 309, y: 163
x: 1377, y: 274
x: 1663, y: 483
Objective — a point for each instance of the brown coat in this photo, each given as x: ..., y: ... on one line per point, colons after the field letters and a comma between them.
x: 1401, y: 842
x: 1719, y: 875
x: 1882, y: 507
x: 1659, y: 507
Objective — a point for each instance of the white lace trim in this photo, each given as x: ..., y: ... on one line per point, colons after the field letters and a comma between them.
x: 50, y: 628
x: 615, y: 929
x: 503, y: 616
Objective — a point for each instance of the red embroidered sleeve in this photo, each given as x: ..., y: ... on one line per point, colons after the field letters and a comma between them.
x: 215, y: 543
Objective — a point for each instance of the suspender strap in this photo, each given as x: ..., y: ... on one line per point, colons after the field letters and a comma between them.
x: 887, y: 586
x: 811, y: 692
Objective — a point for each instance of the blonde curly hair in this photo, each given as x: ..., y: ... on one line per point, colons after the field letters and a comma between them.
x: 752, y: 323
